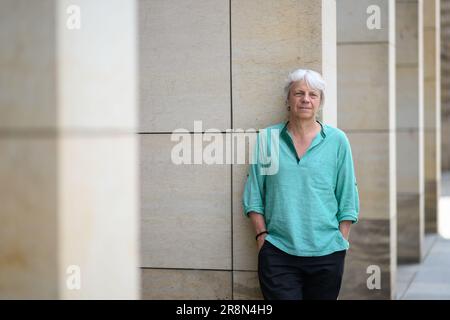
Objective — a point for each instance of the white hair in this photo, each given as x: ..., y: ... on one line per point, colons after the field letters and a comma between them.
x: 312, y: 79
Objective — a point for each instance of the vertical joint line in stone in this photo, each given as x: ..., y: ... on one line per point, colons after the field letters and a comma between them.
x: 231, y: 165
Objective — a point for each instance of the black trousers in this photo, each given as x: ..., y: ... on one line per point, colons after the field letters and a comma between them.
x: 287, y: 277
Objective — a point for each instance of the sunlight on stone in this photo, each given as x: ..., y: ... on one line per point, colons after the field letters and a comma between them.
x: 444, y: 207
x: 444, y: 217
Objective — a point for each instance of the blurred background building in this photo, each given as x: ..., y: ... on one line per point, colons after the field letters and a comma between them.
x: 92, y: 205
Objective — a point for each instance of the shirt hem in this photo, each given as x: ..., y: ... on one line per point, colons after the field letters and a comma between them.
x: 304, y: 253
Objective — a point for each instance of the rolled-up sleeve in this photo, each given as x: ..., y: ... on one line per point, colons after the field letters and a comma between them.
x: 346, y: 190
x: 254, y: 189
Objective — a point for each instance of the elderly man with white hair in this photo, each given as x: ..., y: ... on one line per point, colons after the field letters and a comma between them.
x: 302, y: 213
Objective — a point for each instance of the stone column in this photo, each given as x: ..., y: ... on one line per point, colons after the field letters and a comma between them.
x: 184, y: 52
x: 69, y: 151
x: 410, y: 155
x: 366, y: 112
x: 432, y: 113
x: 268, y: 40
x: 223, y: 63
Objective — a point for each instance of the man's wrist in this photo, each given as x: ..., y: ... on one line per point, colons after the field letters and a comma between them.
x: 260, y: 234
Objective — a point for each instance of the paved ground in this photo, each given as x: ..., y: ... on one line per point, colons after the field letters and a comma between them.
x: 430, y: 280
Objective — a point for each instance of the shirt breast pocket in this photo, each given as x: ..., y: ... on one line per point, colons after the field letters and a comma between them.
x: 322, y: 174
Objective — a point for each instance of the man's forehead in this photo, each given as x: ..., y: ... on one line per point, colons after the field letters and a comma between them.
x: 301, y: 85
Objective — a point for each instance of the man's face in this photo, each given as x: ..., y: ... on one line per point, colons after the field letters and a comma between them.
x: 303, y: 100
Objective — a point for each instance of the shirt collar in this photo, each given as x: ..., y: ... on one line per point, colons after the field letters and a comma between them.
x: 323, y: 130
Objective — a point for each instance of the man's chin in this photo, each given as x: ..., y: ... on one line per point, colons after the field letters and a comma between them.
x: 304, y: 116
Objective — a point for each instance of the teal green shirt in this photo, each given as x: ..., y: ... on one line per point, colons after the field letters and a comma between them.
x: 304, y: 199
